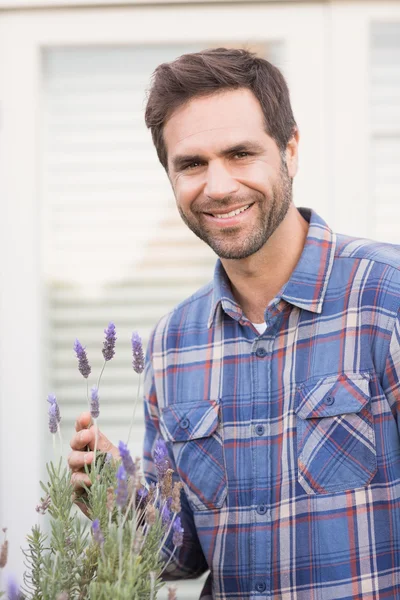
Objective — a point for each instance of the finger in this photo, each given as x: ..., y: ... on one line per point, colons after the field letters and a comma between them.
x: 79, y: 479
x: 82, y: 506
x: 77, y: 460
x: 104, y: 444
x: 83, y: 421
x: 84, y: 437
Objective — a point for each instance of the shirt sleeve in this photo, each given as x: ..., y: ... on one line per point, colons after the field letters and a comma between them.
x: 188, y: 560
x: 391, y: 375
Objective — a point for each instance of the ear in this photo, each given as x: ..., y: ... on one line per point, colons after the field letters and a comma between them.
x: 292, y: 154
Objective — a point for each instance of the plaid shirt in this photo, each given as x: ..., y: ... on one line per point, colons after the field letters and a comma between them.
x: 287, y: 443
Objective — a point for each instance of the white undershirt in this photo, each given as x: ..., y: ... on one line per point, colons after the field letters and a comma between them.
x: 261, y: 327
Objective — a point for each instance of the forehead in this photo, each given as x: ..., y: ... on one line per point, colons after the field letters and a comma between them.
x: 203, y: 123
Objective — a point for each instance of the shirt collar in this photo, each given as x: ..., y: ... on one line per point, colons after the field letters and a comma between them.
x: 307, y: 285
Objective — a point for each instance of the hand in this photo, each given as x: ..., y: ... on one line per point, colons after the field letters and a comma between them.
x: 82, y: 454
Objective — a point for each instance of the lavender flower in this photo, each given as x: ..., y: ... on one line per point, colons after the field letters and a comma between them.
x: 94, y: 402
x: 127, y: 461
x: 143, y: 493
x: 83, y: 366
x: 165, y: 515
x: 172, y: 593
x: 121, y: 494
x: 109, y: 342
x: 177, y: 536
x: 44, y: 505
x: 53, y: 424
x: 4, y: 550
x: 53, y: 400
x: 161, y: 459
x: 12, y: 589
x: 137, y: 351
x: 97, y: 534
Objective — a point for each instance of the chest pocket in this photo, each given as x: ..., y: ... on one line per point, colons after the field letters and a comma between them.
x: 335, y: 434
x: 196, y: 433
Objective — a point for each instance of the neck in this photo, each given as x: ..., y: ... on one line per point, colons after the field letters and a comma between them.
x: 257, y: 279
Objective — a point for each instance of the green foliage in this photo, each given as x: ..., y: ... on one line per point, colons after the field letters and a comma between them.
x: 69, y: 563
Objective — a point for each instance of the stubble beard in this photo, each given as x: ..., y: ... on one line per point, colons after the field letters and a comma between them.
x: 271, y: 214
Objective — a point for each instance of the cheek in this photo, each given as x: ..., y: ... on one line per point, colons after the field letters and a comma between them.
x: 258, y: 175
x: 186, y: 191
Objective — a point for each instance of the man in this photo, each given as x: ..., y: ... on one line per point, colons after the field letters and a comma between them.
x: 277, y: 385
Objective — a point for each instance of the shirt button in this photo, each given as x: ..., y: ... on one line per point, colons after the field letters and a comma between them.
x: 260, y: 429
x: 184, y: 423
x: 261, y: 509
x: 330, y: 400
x: 261, y: 352
x: 261, y: 586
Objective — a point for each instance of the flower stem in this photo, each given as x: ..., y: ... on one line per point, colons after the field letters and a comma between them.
x: 168, y: 561
x: 134, y: 410
x: 120, y: 532
x: 168, y: 532
x: 100, y: 376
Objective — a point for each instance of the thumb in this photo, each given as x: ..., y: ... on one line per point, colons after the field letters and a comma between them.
x: 83, y: 421
x: 103, y: 443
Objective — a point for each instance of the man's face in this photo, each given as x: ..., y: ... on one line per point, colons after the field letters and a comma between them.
x: 232, y: 187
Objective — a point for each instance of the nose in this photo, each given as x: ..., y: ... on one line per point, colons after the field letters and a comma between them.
x: 220, y: 182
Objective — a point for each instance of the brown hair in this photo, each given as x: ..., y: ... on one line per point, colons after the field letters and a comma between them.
x: 211, y: 71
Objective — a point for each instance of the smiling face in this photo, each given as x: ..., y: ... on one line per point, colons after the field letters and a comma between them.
x: 232, y: 187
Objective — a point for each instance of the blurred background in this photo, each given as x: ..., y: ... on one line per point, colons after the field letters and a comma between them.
x: 89, y: 232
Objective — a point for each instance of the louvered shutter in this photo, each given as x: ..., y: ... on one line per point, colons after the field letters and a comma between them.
x: 115, y: 249
x: 114, y: 245
x: 385, y: 130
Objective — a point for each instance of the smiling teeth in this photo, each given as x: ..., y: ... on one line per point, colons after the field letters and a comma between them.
x: 232, y: 213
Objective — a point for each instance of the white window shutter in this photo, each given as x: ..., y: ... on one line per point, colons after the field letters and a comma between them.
x: 114, y: 247
x: 385, y: 130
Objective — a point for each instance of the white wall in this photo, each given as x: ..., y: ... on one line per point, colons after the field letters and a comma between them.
x: 327, y: 54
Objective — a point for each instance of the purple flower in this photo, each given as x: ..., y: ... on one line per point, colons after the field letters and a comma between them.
x: 52, y: 399
x: 12, y: 589
x: 127, y: 461
x: 97, y: 534
x: 109, y: 342
x: 160, y: 455
x: 165, y: 515
x: 54, y: 413
x: 53, y: 423
x: 121, y: 494
x: 177, y: 536
x: 83, y: 365
x: 143, y: 492
x: 94, y: 402
x: 137, y: 351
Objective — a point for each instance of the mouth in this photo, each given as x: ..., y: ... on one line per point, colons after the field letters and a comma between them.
x: 230, y: 214
x: 231, y: 219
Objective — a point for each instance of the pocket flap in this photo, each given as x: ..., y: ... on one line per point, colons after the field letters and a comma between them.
x: 331, y: 396
x: 186, y: 421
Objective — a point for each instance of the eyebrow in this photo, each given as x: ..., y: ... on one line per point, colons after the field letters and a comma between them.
x: 180, y: 160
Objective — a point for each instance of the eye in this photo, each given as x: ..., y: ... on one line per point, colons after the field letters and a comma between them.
x: 192, y: 165
x: 243, y: 154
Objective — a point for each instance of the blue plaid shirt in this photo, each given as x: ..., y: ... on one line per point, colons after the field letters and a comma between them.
x: 287, y: 443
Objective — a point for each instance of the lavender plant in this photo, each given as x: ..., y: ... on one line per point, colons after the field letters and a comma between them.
x: 116, y: 552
